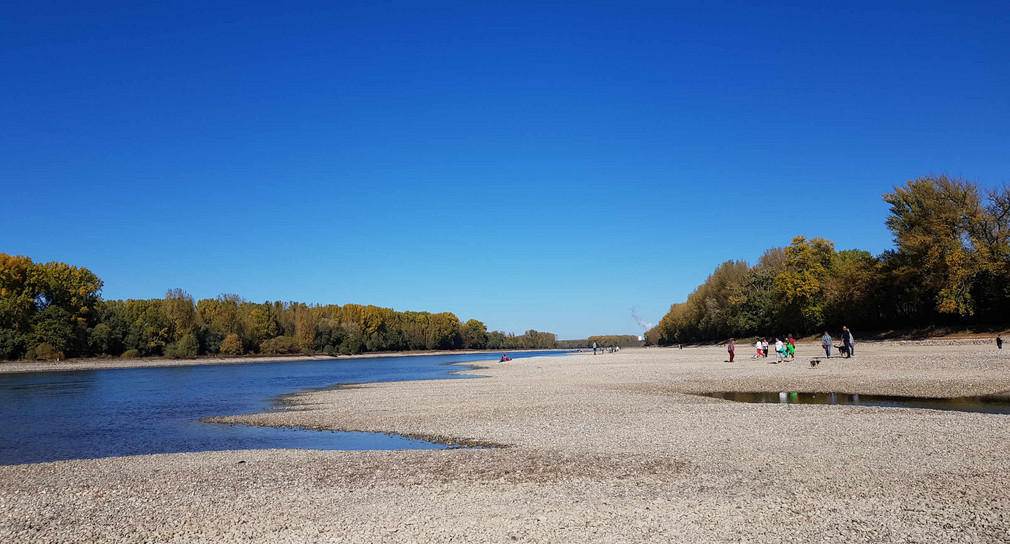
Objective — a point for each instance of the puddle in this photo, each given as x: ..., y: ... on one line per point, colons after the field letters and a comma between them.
x: 992, y: 404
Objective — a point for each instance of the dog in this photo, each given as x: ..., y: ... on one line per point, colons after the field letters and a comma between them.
x: 842, y: 350
x: 814, y: 362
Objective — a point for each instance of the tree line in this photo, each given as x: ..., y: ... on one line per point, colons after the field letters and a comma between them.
x: 605, y: 340
x: 55, y: 310
x: 950, y: 267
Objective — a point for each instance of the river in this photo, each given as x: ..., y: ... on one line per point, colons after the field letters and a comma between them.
x: 85, y: 414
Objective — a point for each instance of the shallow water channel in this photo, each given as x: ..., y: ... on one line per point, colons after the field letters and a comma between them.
x: 85, y: 414
x: 995, y: 404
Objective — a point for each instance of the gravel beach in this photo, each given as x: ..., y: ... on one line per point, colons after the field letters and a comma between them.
x: 605, y: 448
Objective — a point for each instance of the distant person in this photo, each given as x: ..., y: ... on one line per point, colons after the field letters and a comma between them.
x: 791, y: 348
x: 758, y: 346
x: 848, y: 341
x: 764, y: 347
x: 780, y: 353
x: 999, y: 342
x: 594, y: 348
x: 731, y: 348
x: 826, y: 344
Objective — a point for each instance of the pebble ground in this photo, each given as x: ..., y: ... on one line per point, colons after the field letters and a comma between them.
x: 605, y: 448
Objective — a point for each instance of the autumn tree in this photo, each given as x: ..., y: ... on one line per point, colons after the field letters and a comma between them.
x: 936, y: 222
x: 231, y: 345
x: 181, y: 313
x: 800, y: 285
x: 474, y: 334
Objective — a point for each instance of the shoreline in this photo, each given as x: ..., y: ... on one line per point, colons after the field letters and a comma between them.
x: 17, y: 367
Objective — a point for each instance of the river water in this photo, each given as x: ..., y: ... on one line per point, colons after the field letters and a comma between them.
x: 85, y: 414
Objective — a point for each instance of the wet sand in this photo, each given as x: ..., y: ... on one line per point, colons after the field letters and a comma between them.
x: 606, y: 448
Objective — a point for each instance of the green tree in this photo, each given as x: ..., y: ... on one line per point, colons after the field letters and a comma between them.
x: 800, y: 285
x: 186, y: 348
x: 933, y: 220
x: 474, y: 334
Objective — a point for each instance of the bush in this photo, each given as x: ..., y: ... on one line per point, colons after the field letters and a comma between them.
x: 44, y: 352
x: 186, y: 348
x: 131, y: 354
x: 231, y: 345
x: 279, y: 345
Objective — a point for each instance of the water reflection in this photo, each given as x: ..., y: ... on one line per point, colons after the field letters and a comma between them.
x: 993, y: 404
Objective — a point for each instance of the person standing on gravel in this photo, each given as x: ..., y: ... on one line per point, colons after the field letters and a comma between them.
x: 731, y: 348
x: 764, y: 347
x: 999, y: 342
x: 848, y: 341
x: 826, y: 344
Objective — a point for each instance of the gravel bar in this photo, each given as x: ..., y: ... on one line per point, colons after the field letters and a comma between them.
x: 605, y: 448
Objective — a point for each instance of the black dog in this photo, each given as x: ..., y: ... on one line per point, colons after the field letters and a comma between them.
x: 842, y: 350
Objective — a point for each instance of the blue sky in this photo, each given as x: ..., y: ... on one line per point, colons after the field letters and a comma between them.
x: 538, y: 165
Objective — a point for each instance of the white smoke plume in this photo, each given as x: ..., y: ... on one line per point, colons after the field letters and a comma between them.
x: 638, y: 319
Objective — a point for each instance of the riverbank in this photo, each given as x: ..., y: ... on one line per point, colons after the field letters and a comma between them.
x: 11, y: 367
x: 606, y: 448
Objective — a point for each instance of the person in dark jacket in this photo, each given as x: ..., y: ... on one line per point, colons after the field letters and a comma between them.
x: 848, y: 341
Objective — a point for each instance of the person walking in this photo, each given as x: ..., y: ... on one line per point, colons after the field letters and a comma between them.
x: 848, y: 341
x: 791, y: 347
x: 764, y: 347
x: 826, y: 344
x: 780, y: 353
x: 731, y: 348
x: 758, y: 346
x: 999, y: 342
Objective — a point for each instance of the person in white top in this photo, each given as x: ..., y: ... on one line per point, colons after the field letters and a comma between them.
x: 779, y: 355
x: 758, y: 346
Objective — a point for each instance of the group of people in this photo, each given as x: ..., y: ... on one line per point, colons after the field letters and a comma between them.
x: 783, y: 349
x: 787, y: 349
x: 848, y: 346
x: 608, y: 349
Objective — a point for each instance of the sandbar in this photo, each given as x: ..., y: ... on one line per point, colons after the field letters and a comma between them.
x: 606, y: 448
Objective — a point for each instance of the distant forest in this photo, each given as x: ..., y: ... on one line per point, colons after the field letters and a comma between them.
x: 950, y: 268
x: 55, y: 310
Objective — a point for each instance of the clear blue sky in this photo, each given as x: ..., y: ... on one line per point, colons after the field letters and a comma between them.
x: 543, y: 165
